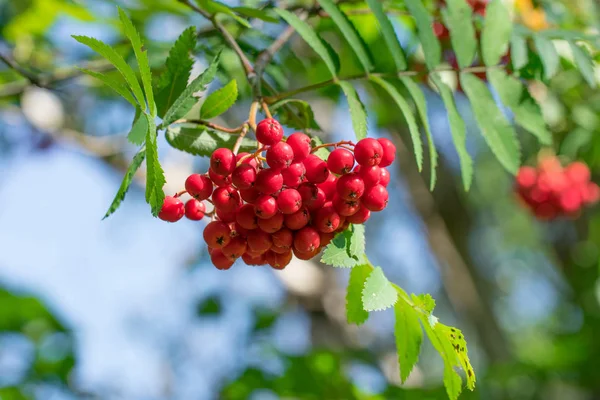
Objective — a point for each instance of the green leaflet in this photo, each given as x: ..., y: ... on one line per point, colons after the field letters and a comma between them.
x: 496, y: 32
x: 186, y: 99
x: 358, y: 114
x: 423, y: 302
x: 127, y: 179
x: 408, y: 115
x: 215, y: 7
x: 458, y: 18
x: 310, y: 37
x: 459, y: 345
x: 355, y: 313
x: 356, y: 247
x: 255, y: 13
x: 389, y: 35
x: 202, y: 142
x: 155, y: 177
x: 137, y: 135
x: 337, y: 252
x: 349, y: 32
x: 409, y: 337
x: 378, y: 293
x: 526, y: 111
x: 496, y: 130
x: 219, y: 101
x: 174, y: 79
x: 584, y: 63
x: 114, y: 83
x: 141, y: 57
x: 519, y: 52
x: 548, y: 54
x: 430, y: 43
x: 458, y: 130
x: 115, y: 59
x: 300, y: 118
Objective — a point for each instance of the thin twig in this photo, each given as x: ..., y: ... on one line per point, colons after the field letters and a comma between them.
x: 240, y: 139
x: 266, y: 110
x: 14, y: 65
x: 252, y: 115
x: 210, y: 125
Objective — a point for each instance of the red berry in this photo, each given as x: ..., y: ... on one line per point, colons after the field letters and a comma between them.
x: 280, y: 156
x: 327, y: 219
x: 259, y: 241
x: 220, y: 260
x: 247, y: 160
x: 297, y: 220
x: 222, y: 161
x: 350, y: 186
x: 269, y: 131
x: 293, y: 175
x: 216, y: 234
x: 249, y: 195
x: 265, y: 206
x: 226, y: 216
x: 279, y: 250
x: 235, y: 249
x: 370, y: 175
x: 272, y: 224
x: 340, y: 161
x: 440, y: 30
x: 384, y: 179
x: 289, y: 201
x: 283, y: 238
x: 219, y: 180
x: 578, y: 172
x: 389, y: 152
x: 329, y: 186
x: 306, y: 255
x: 243, y: 177
x: 199, y: 186
x: 316, y: 169
x: 226, y: 199
x: 300, y: 144
x: 268, y: 181
x: 312, y: 196
x: 375, y: 198
x: 237, y: 230
x: 307, y: 239
x: 194, y: 210
x: 526, y: 177
x: 172, y: 209
x: 591, y: 193
x: 251, y: 259
x: 246, y: 218
x: 345, y: 208
x: 368, y: 151
x: 278, y: 261
x: 359, y: 217
x: 326, y: 238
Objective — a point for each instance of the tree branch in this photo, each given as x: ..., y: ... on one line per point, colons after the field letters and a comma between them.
x: 14, y: 65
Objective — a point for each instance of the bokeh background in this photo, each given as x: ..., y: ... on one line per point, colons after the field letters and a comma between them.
x: 131, y: 308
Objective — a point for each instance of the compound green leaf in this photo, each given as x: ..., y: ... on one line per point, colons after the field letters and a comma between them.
x: 378, y: 293
x: 202, y: 142
x: 389, y: 35
x: 496, y: 33
x: 115, y: 84
x: 458, y: 18
x: 584, y: 63
x: 127, y: 179
x: 430, y: 43
x: 219, y: 101
x: 155, y: 177
x: 358, y: 114
x: 548, y: 54
x: 355, y: 312
x: 409, y: 337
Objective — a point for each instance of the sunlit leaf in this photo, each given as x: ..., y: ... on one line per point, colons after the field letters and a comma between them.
x: 355, y: 312
x: 202, y: 142
x: 358, y: 114
x: 138, y: 131
x: 155, y: 177
x: 219, y: 101
x: 496, y: 32
x: 378, y: 293
x: 115, y: 84
x: 584, y: 63
x: 430, y: 43
x: 127, y: 179
x: 389, y: 35
x: 519, y: 52
x: 458, y: 18
x: 548, y: 54
x: 409, y: 337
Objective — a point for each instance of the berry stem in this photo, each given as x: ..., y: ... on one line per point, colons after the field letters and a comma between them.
x: 343, y: 143
x: 266, y: 110
x: 178, y: 194
x: 252, y: 115
x: 240, y: 139
x: 256, y: 155
x: 210, y: 125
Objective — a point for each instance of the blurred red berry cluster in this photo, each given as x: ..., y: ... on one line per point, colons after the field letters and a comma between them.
x: 551, y: 190
x: 293, y: 205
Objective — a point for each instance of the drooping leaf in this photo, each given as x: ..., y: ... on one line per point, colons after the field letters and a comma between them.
x: 458, y: 19
x: 115, y: 59
x: 409, y: 337
x: 519, y: 53
x: 584, y: 63
x: 202, y: 142
x: 155, y: 177
x: 526, y: 111
x: 356, y: 247
x: 431, y: 46
x: 186, y: 99
x: 138, y: 131
x: 389, y: 35
x: 408, y: 116
x: 378, y: 293
x: 127, y: 179
x: 115, y: 84
x: 458, y: 130
x: 215, y: 7
x: 355, y: 312
x: 496, y: 130
x: 174, y: 79
x: 263, y: 15
x: 349, y: 32
x: 141, y: 57
x: 459, y: 345
x: 219, y: 101
x: 310, y: 37
x: 548, y: 54
x: 496, y: 32
x: 336, y: 253
x: 358, y: 114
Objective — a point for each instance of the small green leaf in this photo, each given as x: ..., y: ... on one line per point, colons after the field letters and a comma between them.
x: 255, y: 13
x: 355, y: 312
x: 430, y: 43
x: 358, y: 114
x: 409, y: 337
x: 155, y: 177
x: 356, y: 247
x: 519, y: 52
x: 496, y: 33
x: 424, y: 302
x: 389, y: 35
x: 349, y: 32
x: 378, y: 293
x: 458, y: 130
x: 202, y: 142
x: 186, y: 99
x: 459, y: 345
x: 127, y: 179
x: 408, y: 116
x: 584, y: 63
x: 548, y: 54
x: 336, y: 253
x: 496, y: 130
x: 458, y: 19
x: 215, y: 7
x: 219, y: 101
x: 310, y: 36
x: 115, y: 84
x: 296, y: 114
x: 137, y: 135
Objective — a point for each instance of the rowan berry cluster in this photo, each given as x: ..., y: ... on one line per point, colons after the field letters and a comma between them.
x: 550, y: 191
x: 293, y: 205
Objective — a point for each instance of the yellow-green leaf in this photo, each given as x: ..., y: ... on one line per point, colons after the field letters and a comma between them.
x: 219, y: 101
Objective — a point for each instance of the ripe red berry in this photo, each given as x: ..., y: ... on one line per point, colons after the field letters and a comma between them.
x: 307, y: 239
x: 316, y: 169
x: 268, y: 181
x: 370, y: 175
x: 283, y: 238
x: 578, y: 172
x: 384, y: 179
x: 199, y: 186
x: 297, y: 220
x: 220, y: 260
x: 279, y: 250
x: 389, y: 152
x: 289, y: 201
x: 272, y: 224
x: 345, y: 208
x: 226, y: 216
x: 326, y: 238
x: 591, y: 193
x: 237, y: 230
x: 312, y: 196
x: 368, y: 151
x: 306, y: 255
x: 226, y: 199
x: 265, y: 206
x: 259, y: 241
x: 278, y: 261
x: 235, y: 248
x: 280, y: 156
x: 219, y: 180
x: 194, y: 209
x: 222, y: 161
x: 375, y: 198
x: 440, y: 30
x: 251, y: 259
x: 526, y: 177
x: 359, y: 217
x: 249, y: 195
x: 246, y: 160
x: 327, y: 219
x: 293, y: 175
x: 340, y: 161
x: 172, y: 209
x: 269, y: 131
x: 329, y: 186
x: 300, y: 144
x: 350, y: 186
x: 246, y: 217
x: 216, y: 234
x: 243, y: 177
